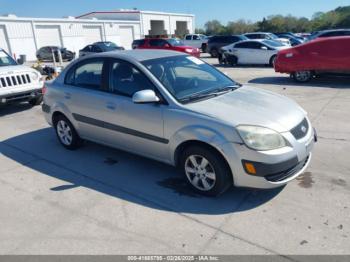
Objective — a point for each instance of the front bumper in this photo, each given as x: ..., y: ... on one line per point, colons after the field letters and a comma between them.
x: 20, y: 96
x: 273, y: 168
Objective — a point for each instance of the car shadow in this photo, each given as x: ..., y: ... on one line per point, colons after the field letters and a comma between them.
x: 123, y: 175
x: 324, y: 81
x: 14, y: 108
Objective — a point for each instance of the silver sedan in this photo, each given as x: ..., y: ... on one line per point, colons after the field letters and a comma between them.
x: 177, y: 109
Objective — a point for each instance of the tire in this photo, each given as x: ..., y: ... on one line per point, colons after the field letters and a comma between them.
x: 64, y: 128
x: 36, y: 101
x: 272, y: 60
x: 232, y: 60
x: 211, y: 177
x: 204, y: 48
x: 302, y: 76
x: 214, y: 52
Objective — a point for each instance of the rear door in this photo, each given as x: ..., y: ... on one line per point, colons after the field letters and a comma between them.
x: 85, y: 94
x: 244, y: 52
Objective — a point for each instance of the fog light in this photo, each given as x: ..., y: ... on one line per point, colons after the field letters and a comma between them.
x: 249, y: 167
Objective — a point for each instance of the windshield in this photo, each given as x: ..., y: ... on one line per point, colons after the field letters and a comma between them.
x: 6, y: 60
x: 272, y: 43
x: 188, y: 76
x: 273, y: 36
x: 243, y: 37
x: 175, y: 42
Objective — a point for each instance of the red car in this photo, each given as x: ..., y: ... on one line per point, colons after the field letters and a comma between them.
x: 323, y: 55
x: 168, y: 44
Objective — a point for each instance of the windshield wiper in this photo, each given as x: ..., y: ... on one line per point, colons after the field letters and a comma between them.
x: 211, y: 93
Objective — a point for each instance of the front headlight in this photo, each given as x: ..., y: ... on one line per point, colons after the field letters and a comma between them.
x: 34, y: 76
x: 188, y: 50
x: 261, y: 138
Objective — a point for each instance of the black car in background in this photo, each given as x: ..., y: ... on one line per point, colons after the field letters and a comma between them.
x: 217, y: 41
x: 99, y: 47
x: 45, y: 54
x: 294, y: 40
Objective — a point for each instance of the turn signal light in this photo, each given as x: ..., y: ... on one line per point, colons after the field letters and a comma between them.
x: 249, y: 167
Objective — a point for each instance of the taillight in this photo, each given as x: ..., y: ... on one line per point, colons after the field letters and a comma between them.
x: 43, y: 89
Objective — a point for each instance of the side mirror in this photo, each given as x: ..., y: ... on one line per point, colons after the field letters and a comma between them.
x: 20, y: 61
x: 264, y: 48
x: 145, y: 97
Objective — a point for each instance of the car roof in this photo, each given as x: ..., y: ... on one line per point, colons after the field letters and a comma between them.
x: 139, y: 55
x: 257, y: 33
x: 252, y: 40
x: 333, y: 30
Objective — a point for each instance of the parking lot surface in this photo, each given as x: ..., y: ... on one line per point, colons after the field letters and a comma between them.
x: 99, y: 200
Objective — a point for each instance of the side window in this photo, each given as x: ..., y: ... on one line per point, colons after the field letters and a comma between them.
x: 255, y: 45
x: 242, y: 45
x: 86, y: 75
x: 188, y: 37
x: 157, y: 42
x: 96, y: 49
x: 196, y: 37
x: 126, y: 80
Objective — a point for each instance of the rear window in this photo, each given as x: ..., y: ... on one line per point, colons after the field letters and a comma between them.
x: 87, y: 75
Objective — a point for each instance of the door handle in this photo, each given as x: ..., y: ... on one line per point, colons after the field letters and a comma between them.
x: 111, y: 106
x: 67, y: 95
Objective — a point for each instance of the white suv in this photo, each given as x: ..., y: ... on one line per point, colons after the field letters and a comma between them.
x: 18, y: 82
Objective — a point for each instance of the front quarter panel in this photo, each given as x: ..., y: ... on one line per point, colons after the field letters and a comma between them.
x: 182, y: 125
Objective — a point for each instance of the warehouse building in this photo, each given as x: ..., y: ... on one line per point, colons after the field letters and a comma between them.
x: 24, y: 36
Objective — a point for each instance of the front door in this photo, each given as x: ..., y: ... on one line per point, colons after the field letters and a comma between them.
x: 134, y: 127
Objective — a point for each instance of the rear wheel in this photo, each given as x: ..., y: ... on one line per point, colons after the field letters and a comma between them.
x: 214, y: 52
x: 204, y: 48
x: 205, y: 171
x: 66, y: 133
x: 302, y: 76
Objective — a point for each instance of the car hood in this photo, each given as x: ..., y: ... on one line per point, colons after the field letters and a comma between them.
x: 15, y: 69
x: 252, y: 106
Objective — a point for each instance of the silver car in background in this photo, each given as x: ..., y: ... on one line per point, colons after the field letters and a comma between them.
x: 177, y: 109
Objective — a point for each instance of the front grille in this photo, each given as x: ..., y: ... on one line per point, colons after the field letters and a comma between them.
x: 287, y: 173
x: 300, y: 130
x: 14, y: 80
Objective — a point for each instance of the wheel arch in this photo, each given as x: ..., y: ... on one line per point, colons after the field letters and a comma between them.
x: 190, y: 143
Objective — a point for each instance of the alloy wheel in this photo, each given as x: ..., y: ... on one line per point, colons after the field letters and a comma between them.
x: 64, y: 133
x: 200, y: 172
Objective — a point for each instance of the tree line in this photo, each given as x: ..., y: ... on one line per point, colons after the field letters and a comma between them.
x: 337, y: 18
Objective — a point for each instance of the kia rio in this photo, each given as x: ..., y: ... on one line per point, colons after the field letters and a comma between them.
x: 177, y: 109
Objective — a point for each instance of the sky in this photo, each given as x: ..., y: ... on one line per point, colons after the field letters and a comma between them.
x: 223, y: 10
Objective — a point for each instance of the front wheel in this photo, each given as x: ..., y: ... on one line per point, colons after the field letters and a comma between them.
x: 205, y: 171
x: 302, y: 76
x: 66, y: 133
